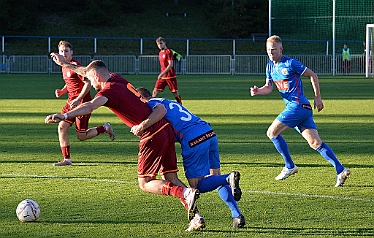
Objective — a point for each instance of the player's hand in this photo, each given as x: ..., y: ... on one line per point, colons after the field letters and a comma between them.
x: 137, y: 130
x: 57, y: 58
x: 75, y: 103
x: 318, y: 104
x: 59, y: 93
x: 253, y: 90
x: 53, y: 118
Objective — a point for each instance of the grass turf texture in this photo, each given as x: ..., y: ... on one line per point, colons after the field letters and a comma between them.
x: 99, y: 197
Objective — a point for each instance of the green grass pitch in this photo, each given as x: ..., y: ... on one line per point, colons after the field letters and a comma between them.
x: 99, y: 197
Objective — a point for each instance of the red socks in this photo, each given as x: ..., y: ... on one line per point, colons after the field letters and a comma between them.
x: 171, y: 189
x: 100, y: 130
x: 179, y: 99
x: 65, y: 151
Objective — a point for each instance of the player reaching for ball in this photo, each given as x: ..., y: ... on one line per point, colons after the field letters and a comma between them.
x: 78, y: 90
x: 157, y: 143
x: 285, y: 73
x: 200, y: 154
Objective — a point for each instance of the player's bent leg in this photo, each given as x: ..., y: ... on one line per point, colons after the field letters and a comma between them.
x: 95, y: 131
x: 193, y: 182
x: 226, y: 196
x: 151, y: 185
x: 312, y: 137
x: 173, y: 177
x: 276, y: 128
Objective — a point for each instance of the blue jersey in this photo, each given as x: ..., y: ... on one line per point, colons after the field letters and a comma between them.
x: 186, y: 124
x: 286, y: 76
x: 198, y: 141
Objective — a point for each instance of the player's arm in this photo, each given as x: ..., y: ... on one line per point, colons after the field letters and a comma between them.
x: 158, y: 113
x: 60, y: 60
x: 315, y: 84
x: 266, y: 89
x: 60, y: 92
x: 86, y: 89
x: 171, y: 64
x: 82, y: 109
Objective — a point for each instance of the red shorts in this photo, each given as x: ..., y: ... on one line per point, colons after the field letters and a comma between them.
x: 157, y: 153
x: 81, y: 122
x: 170, y: 82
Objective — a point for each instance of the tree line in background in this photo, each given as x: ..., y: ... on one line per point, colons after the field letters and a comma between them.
x: 228, y: 18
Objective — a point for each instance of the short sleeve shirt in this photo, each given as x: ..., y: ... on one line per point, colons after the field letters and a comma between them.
x: 286, y: 77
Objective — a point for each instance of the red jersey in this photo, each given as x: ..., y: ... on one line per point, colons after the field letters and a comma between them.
x: 125, y: 102
x: 156, y: 154
x: 164, y: 56
x: 74, y: 83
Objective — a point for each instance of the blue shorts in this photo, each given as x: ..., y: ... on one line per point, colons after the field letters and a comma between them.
x: 298, y: 116
x: 199, y: 159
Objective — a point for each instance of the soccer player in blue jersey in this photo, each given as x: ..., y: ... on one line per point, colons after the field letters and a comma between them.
x: 284, y: 73
x: 200, y: 154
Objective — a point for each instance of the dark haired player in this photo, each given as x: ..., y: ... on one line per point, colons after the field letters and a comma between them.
x: 167, y: 76
x: 78, y: 90
x: 200, y: 154
x: 157, y: 143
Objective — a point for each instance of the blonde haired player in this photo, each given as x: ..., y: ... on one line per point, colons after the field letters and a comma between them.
x: 284, y: 73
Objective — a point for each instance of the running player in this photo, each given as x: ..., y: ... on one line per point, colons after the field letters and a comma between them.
x: 284, y: 73
x: 78, y: 90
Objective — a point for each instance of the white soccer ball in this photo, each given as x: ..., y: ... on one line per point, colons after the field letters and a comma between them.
x: 28, y: 210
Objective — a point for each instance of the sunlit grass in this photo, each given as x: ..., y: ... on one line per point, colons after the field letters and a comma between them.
x: 99, y: 197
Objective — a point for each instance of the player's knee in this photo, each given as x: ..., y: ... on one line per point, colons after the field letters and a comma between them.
x: 142, y: 182
x: 142, y: 187
x: 270, y: 134
x: 314, y: 144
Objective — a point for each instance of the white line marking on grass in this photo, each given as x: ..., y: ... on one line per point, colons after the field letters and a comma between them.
x: 61, y: 177
x: 310, y: 195
x: 124, y: 182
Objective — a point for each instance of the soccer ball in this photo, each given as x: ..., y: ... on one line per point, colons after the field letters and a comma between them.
x: 28, y: 210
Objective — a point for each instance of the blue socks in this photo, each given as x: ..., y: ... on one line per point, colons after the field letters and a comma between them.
x: 329, y: 155
x: 282, y: 147
x: 220, y: 182
x: 212, y: 182
x: 226, y: 196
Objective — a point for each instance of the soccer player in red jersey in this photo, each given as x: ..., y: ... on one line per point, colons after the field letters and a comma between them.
x: 156, y: 147
x: 77, y: 88
x: 167, y: 75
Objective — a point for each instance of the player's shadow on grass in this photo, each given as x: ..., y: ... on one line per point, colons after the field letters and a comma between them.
x: 78, y: 163
x: 300, y: 165
x: 305, y: 231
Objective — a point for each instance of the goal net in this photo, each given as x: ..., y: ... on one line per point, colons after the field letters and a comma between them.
x: 369, y: 44
x: 313, y: 20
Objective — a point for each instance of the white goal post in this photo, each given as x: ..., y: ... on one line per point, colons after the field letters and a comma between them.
x: 369, y: 44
